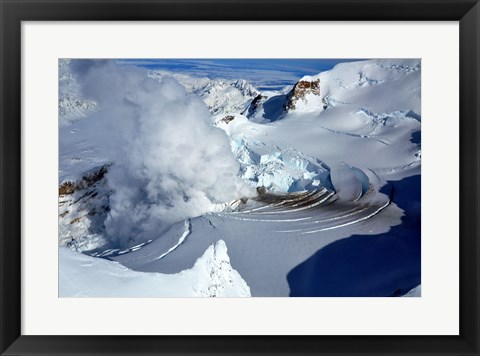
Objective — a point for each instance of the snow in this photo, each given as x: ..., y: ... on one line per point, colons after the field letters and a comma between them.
x: 159, y: 139
x: 382, y: 85
x: 278, y: 169
x: 71, y: 106
x: 309, y: 78
x: 211, y: 276
x: 187, y: 231
x: 346, y: 182
x: 220, y: 95
x: 414, y: 292
x: 339, y: 176
x: 82, y: 215
x: 72, y: 109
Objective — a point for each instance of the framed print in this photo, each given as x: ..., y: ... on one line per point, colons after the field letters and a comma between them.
x: 244, y: 177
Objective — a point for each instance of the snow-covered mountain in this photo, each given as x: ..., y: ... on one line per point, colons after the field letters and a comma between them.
x: 380, y: 86
x: 71, y: 105
x: 220, y: 95
x: 305, y: 94
x: 335, y: 160
x: 211, y: 276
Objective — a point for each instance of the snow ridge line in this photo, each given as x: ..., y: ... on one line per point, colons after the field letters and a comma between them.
x: 263, y: 220
x: 351, y: 222
x: 187, y: 231
x: 325, y: 197
x: 355, y: 135
x: 309, y: 223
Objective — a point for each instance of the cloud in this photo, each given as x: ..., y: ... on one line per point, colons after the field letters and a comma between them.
x: 170, y: 163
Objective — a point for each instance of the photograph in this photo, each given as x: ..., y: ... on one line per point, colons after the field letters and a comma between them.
x: 239, y: 177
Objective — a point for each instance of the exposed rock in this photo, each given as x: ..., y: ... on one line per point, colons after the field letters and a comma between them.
x: 227, y: 119
x: 261, y: 190
x: 299, y: 91
x: 76, y: 220
x: 66, y: 188
x: 254, y: 105
x: 87, y: 180
x: 83, y: 208
x: 90, y: 179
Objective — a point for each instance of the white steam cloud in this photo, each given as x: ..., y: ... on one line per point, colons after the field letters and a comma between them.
x: 169, y: 162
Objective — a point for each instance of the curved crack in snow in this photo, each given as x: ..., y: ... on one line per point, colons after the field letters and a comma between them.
x: 356, y: 135
x: 186, y: 232
x: 350, y: 222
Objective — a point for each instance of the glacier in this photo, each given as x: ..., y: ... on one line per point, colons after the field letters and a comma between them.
x: 333, y: 164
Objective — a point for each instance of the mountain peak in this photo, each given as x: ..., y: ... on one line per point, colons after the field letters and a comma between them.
x: 305, y: 91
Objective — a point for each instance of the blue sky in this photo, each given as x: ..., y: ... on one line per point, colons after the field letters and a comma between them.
x: 263, y: 73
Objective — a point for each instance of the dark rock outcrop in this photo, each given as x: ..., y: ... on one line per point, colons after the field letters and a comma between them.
x: 227, y: 119
x: 87, y: 180
x: 256, y: 103
x: 299, y: 91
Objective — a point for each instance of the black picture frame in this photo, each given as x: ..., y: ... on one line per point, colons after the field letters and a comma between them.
x: 13, y: 12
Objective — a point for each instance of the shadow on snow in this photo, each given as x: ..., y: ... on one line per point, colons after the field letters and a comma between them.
x: 382, y: 265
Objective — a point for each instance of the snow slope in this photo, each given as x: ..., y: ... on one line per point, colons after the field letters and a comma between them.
x: 337, y: 164
x: 211, y: 276
x: 71, y: 106
x: 220, y: 95
x: 415, y: 292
